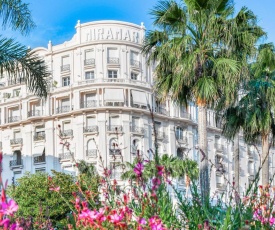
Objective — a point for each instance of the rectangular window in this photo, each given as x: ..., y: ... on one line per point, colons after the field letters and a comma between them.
x: 113, y: 56
x: 66, y: 125
x: 134, y: 59
x: 17, y: 135
x: 16, y: 92
x: 65, y: 63
x: 65, y: 81
x: 89, y: 75
x: 40, y: 170
x: 112, y: 73
x: 89, y: 57
x: 134, y: 76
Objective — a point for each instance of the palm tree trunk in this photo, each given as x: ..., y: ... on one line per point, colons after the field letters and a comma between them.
x: 265, y: 160
x: 236, y: 153
x: 202, y: 132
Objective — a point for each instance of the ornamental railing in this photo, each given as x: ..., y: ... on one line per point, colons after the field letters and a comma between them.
x: 16, y: 141
x: 63, y: 109
x: 113, y: 60
x: 67, y: 133
x: 39, y: 136
x: 90, y: 129
x: 13, y: 119
x: 88, y: 104
x: 114, y: 128
x: 65, y: 67
x: 135, y: 63
x: 90, y: 61
x: 66, y: 156
x: 137, y: 129
x: 91, y: 152
x: 33, y: 113
x: 16, y: 163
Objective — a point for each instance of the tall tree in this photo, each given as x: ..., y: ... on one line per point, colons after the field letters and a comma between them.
x: 17, y: 61
x: 254, y: 113
x: 194, y: 48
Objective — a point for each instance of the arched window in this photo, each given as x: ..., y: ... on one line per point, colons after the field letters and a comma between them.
x: 114, y: 148
x: 179, y: 133
x: 91, y: 148
x: 180, y: 153
x: 136, y: 147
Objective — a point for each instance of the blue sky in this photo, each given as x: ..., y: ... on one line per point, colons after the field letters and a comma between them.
x: 55, y: 19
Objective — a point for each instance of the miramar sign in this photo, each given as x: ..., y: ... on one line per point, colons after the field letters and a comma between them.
x: 108, y: 33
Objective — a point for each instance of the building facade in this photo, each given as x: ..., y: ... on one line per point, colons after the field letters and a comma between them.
x: 101, y: 88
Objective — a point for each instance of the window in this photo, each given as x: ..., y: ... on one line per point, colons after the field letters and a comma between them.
x: 134, y: 59
x: 65, y: 81
x: 251, y: 167
x: 112, y: 73
x: 40, y: 170
x: 179, y: 133
x: 116, y: 170
x: 17, y: 134
x: 113, y: 56
x: 89, y: 75
x: 39, y: 133
x: 180, y: 153
x: 134, y: 76
x: 89, y: 57
x: 16, y: 92
x: 65, y: 64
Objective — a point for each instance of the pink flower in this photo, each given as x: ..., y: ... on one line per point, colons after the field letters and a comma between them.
x: 142, y: 221
x: 5, y: 223
x: 160, y: 170
x: 9, y: 208
x: 115, y: 218
x: 138, y: 169
x: 55, y: 189
x: 155, y: 223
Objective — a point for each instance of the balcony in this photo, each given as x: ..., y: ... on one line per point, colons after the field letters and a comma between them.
x: 14, y: 119
x: 39, y: 159
x: 182, y: 139
x: 113, y: 60
x: 114, y: 128
x: 63, y: 109
x: 114, y: 103
x: 66, y: 156
x: 16, y: 141
x: 16, y: 81
x: 90, y: 129
x: 67, y: 133
x: 137, y: 129
x: 88, y: 104
x: 160, y: 135
x: 18, y: 163
x: 135, y: 63
x: 115, y: 151
x: 219, y: 147
x: 65, y: 68
x: 161, y: 110
x: 185, y: 115
x: 91, y: 152
x: 33, y: 113
x: 39, y: 137
x: 90, y: 61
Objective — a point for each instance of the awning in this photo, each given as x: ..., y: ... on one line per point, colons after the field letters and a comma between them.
x: 115, y: 95
x: 139, y: 98
x: 38, y: 150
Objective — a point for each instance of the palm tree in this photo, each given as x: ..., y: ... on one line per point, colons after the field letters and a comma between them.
x: 16, y: 60
x: 173, y: 167
x: 254, y: 113
x: 194, y: 49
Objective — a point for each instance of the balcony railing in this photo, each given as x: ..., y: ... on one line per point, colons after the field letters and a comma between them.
x: 91, y: 152
x: 65, y: 67
x: 182, y: 139
x: 16, y: 141
x: 88, y: 104
x: 185, y: 115
x: 161, y: 110
x: 160, y: 135
x: 137, y: 129
x: 90, y: 61
x: 13, y: 119
x: 218, y: 147
x: 33, y: 113
x: 115, y: 151
x: 16, y: 81
x: 90, y: 129
x: 66, y: 156
x: 16, y: 163
x: 39, y: 137
x: 63, y: 109
x: 113, y: 60
x: 67, y: 133
x: 114, y: 128
x: 135, y: 63
x: 114, y: 103
x: 39, y: 159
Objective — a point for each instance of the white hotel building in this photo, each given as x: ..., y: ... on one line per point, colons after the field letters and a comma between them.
x: 100, y: 87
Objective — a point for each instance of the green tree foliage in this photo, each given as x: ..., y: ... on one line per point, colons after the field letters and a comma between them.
x: 34, y: 197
